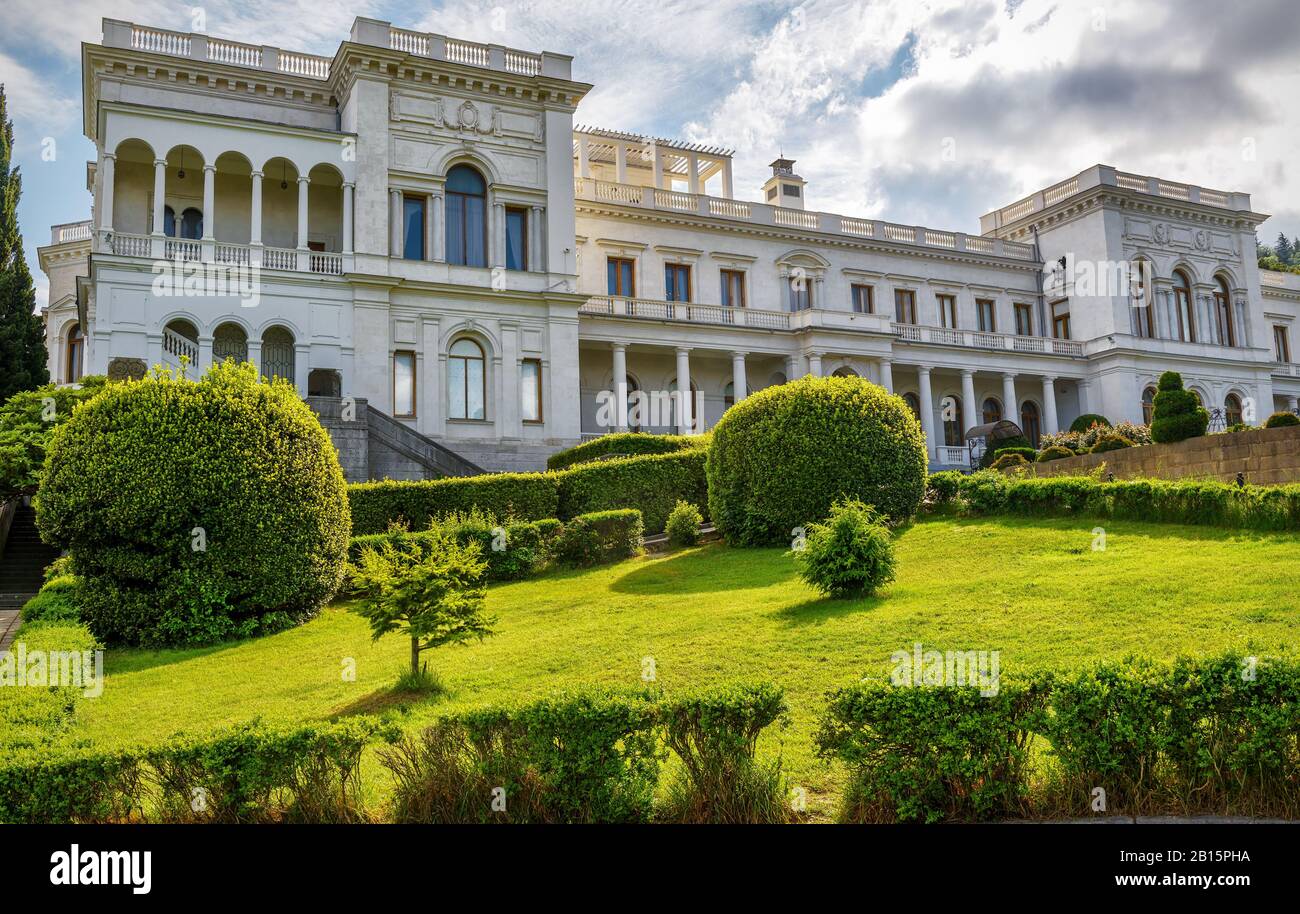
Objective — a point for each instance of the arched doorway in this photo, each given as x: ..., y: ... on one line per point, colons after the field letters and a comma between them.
x: 277, y: 354
x: 75, y: 354
x: 1030, y: 423
x: 229, y: 341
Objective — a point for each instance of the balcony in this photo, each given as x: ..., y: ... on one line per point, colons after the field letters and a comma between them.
x: 652, y: 198
x: 687, y: 312
x: 979, y: 339
x: 1286, y: 370
x: 231, y: 255
x: 70, y: 232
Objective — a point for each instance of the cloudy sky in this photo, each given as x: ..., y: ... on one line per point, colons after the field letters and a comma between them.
x: 925, y: 112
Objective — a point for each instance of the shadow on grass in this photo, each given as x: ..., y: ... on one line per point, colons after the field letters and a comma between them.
x: 381, y: 700
x: 1154, y: 529
x: 714, y: 568
x: 819, y: 610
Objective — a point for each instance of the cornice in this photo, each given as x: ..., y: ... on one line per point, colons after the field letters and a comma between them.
x: 1079, y: 205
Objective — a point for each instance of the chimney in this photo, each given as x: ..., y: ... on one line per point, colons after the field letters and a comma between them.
x: 784, y: 188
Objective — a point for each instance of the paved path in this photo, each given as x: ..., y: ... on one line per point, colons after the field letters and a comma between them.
x: 8, y: 625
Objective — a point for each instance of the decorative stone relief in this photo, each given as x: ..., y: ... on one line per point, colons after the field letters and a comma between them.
x: 121, y: 369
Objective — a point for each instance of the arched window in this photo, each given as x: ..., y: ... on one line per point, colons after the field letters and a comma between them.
x: 1186, y: 307
x: 1148, y: 405
x: 729, y: 394
x: 277, y: 354
x: 1223, y: 313
x: 466, y: 381
x: 1144, y: 322
x: 191, y: 224
x: 1232, y: 410
x: 634, y: 412
x: 914, y: 404
x: 76, y: 350
x: 777, y: 379
x: 845, y: 371
x: 992, y: 411
x: 229, y: 341
x: 952, y: 421
x: 169, y: 222
x: 466, y: 217
x: 1200, y: 401
x: 324, y: 382
x: 1029, y: 423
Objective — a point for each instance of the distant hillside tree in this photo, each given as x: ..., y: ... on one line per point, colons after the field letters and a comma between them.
x: 22, y: 338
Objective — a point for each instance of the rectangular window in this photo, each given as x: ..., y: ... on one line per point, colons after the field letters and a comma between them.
x: 801, y: 297
x: 677, y: 282
x: 988, y: 315
x: 1223, y: 310
x: 403, y: 383
x: 905, y: 306
x: 1061, y: 319
x: 733, y: 289
x: 466, y: 229
x: 947, y: 311
x: 516, y: 238
x: 864, y: 301
x: 1024, y: 319
x: 622, y: 273
x: 1281, y: 343
x: 530, y: 407
x: 413, y: 228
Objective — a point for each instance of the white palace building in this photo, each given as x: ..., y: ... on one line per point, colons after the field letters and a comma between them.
x: 422, y: 225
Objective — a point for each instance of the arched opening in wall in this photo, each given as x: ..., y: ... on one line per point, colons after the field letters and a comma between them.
x: 325, y: 209
x: 184, y: 193
x: 277, y: 354
x: 1232, y: 410
x: 1144, y: 323
x: 991, y: 411
x: 776, y: 378
x: 952, y: 430
x: 1186, y: 307
x: 133, y: 180
x: 76, y: 348
x: 914, y: 404
x: 1030, y: 423
x: 844, y: 372
x: 232, y: 220
x: 1223, y: 312
x: 169, y: 222
x: 1148, y: 405
x: 324, y: 382
x: 466, y: 381
x: 729, y: 395
x: 190, y: 224
x: 466, y: 217
x: 1200, y: 401
x: 230, y: 341
x: 280, y: 204
x: 180, y: 340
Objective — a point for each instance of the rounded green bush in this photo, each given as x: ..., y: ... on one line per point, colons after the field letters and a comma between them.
x: 1177, y: 415
x: 1087, y: 421
x: 1012, y: 461
x: 850, y: 555
x: 1281, y: 420
x: 782, y: 456
x: 1110, y: 443
x: 1016, y: 444
x: 684, y: 522
x: 196, y: 511
x: 1055, y: 452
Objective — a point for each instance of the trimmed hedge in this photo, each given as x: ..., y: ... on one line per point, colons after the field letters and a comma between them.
x: 196, y: 511
x: 1282, y: 420
x: 517, y: 496
x: 651, y: 484
x: 1110, y: 443
x: 1087, y: 421
x: 1055, y: 452
x: 31, y: 716
x: 55, y: 602
x: 1219, y: 504
x: 624, y: 444
x: 1177, y: 414
x: 783, y: 455
x: 512, y: 551
x: 600, y: 537
x: 1016, y: 444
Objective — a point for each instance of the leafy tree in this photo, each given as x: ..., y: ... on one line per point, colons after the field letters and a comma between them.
x: 26, y: 420
x: 22, y: 337
x: 1283, y: 249
x: 435, y: 597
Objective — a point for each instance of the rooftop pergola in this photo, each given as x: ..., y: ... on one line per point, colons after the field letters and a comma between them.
x: 664, y: 159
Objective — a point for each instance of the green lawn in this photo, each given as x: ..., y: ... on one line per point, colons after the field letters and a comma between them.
x: 1034, y: 590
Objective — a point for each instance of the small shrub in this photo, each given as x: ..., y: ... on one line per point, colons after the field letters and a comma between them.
x: 1055, y: 452
x: 1010, y: 462
x: 1281, y: 420
x: 850, y: 555
x: 1110, y: 443
x: 600, y: 537
x: 52, y: 606
x: 624, y: 444
x: 1177, y: 414
x: 1087, y: 421
x: 684, y: 522
x: 942, y: 487
x: 1017, y: 444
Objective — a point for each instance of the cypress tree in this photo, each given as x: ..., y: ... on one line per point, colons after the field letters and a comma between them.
x: 22, y: 337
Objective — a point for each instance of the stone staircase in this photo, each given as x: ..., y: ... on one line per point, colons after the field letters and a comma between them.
x: 24, y: 557
x: 374, y: 445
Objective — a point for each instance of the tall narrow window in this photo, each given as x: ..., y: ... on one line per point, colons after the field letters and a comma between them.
x: 466, y: 381
x: 403, y: 383
x: 1148, y: 405
x: 1185, y: 307
x: 913, y: 403
x: 191, y: 224
x: 677, y: 282
x: 992, y: 411
x: 1281, y: 343
x: 466, y: 217
x: 1024, y: 319
x: 1232, y: 410
x: 733, y: 289
x: 1143, y: 314
x: 905, y: 306
x: 952, y: 421
x: 516, y: 238
x: 1061, y: 319
x: 1223, y: 312
x: 169, y: 222
x: 530, y: 379
x: 863, y: 299
x: 1029, y: 423
x: 622, y: 274
x: 413, y: 227
x: 986, y: 311
x: 76, y: 349
x: 947, y: 311
x: 801, y: 297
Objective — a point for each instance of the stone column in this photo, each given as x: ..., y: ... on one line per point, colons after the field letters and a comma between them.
x: 1085, y: 397
x: 438, y: 225
x: 209, y: 201
x: 739, y: 383
x: 620, y: 163
x: 887, y: 375
x: 536, y: 249
x: 584, y: 157
x: 685, y: 424
x: 497, y: 237
x: 430, y: 244
x: 727, y: 190
x: 347, y: 217
x: 394, y: 222
x: 159, y: 198
x: 693, y: 173
x: 255, y: 212
x: 815, y: 364
x: 620, y: 387
x: 1292, y: 403
x: 1010, y: 405
x: 106, y: 172
x: 927, y: 408
x: 968, y: 412
x: 1049, y: 407
x: 304, y: 256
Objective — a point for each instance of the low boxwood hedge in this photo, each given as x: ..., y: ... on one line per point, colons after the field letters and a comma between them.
x: 652, y: 484
x: 624, y: 444
x: 519, y: 496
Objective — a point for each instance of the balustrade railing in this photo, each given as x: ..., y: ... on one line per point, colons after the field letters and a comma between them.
x: 328, y: 263
x: 982, y: 339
